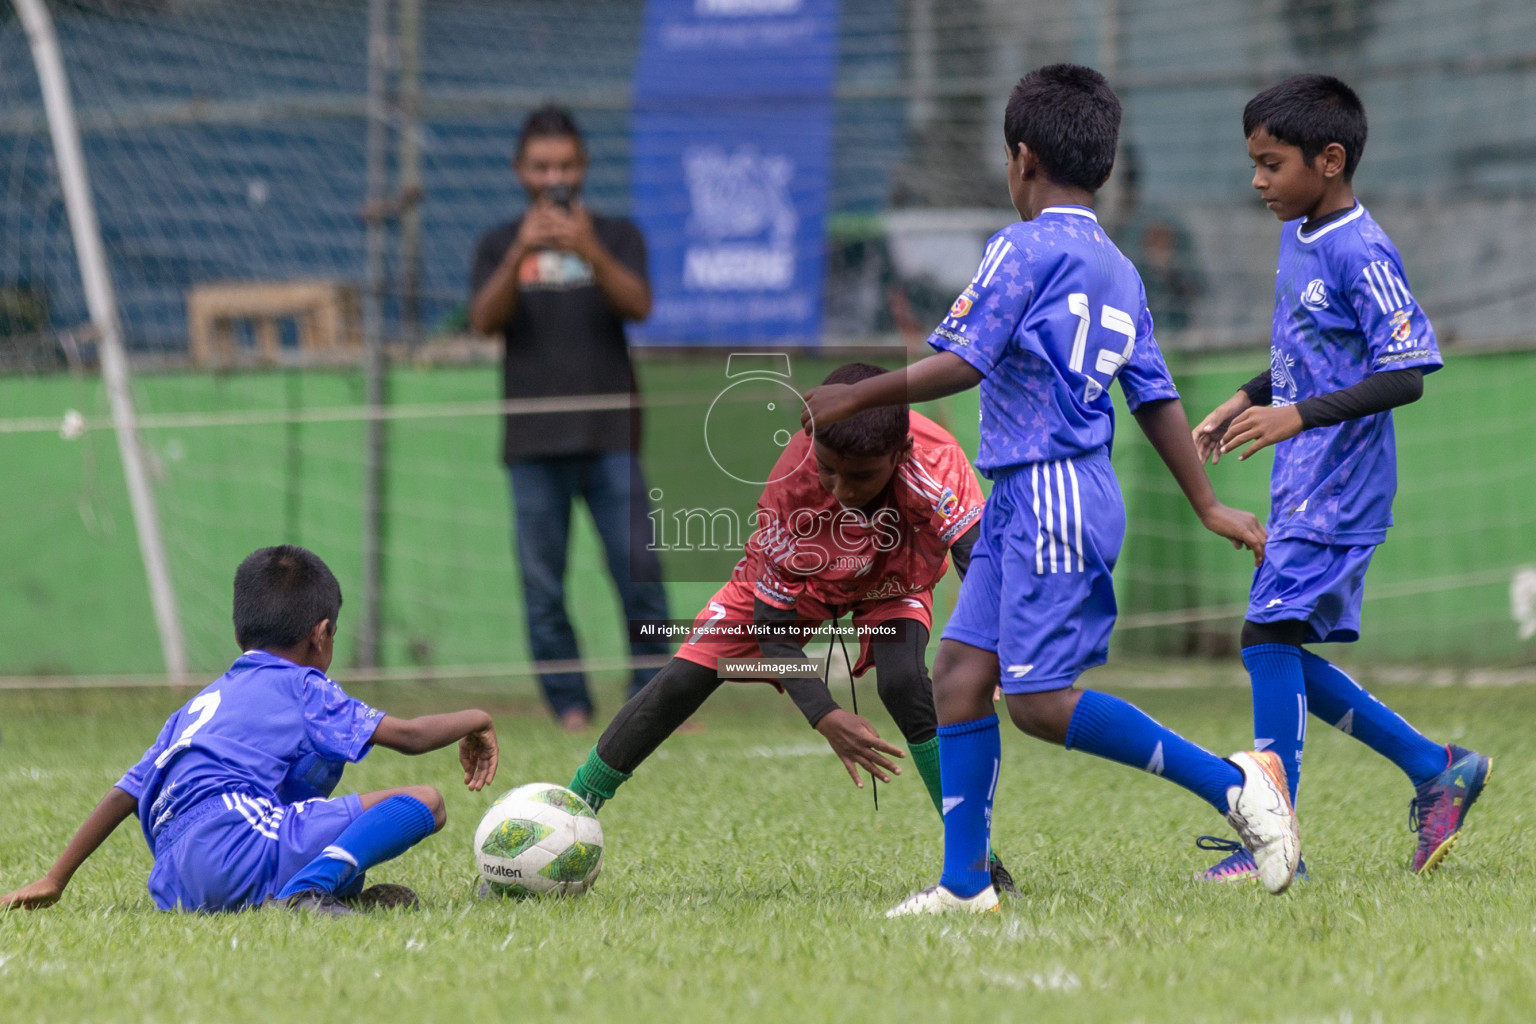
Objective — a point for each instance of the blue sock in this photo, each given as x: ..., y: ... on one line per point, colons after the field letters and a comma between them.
x: 1279, y: 705
x: 1108, y: 727
x: 382, y: 832
x: 970, y: 754
x: 1345, y: 704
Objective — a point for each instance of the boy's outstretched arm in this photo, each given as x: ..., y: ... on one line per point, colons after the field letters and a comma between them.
x: 113, y: 810
x: 937, y: 376
x: 1167, y: 428
x: 472, y: 730
x: 852, y: 738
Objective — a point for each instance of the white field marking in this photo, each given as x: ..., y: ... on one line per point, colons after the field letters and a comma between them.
x: 1057, y: 979
x: 1022, y: 930
x: 1012, y: 981
x: 788, y: 750
x: 32, y: 773
x: 1522, y: 601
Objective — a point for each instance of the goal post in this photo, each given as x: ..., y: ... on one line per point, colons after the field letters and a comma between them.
x: 102, y: 302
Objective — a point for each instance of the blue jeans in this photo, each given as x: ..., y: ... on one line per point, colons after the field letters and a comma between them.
x: 543, y: 491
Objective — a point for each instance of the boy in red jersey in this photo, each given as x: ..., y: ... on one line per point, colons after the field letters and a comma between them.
x: 858, y: 522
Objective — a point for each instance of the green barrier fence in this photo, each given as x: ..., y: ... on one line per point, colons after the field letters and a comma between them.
x: 73, y: 600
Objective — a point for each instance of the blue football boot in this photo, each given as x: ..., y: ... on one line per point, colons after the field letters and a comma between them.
x: 1440, y: 806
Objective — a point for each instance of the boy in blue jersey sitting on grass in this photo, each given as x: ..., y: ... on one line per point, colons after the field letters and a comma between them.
x: 1348, y: 344
x: 1053, y: 316
x: 234, y: 795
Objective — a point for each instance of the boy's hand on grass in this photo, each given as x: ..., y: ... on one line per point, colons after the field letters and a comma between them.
x: 44, y: 892
x: 853, y: 739
x: 1208, y: 434
x: 826, y: 405
x: 1263, y: 426
x: 477, y: 753
x: 1243, y: 529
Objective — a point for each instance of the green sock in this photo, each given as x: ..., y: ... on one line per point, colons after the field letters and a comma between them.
x: 926, y: 757
x: 596, y: 783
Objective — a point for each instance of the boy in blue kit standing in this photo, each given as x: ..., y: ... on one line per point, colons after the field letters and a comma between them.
x: 1348, y: 344
x: 1054, y: 315
x: 234, y: 795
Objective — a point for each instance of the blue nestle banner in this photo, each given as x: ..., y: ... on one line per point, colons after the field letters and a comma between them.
x: 732, y: 201
x: 737, y: 48
x: 731, y: 167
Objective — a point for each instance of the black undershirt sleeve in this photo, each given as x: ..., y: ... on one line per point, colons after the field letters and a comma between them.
x: 1258, y: 389
x: 960, y: 550
x: 810, y: 695
x: 1377, y: 393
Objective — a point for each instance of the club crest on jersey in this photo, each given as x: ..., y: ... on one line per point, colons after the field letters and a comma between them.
x: 948, y: 504
x: 962, y: 305
x: 1402, y: 325
x: 1315, y: 295
x: 1280, y: 375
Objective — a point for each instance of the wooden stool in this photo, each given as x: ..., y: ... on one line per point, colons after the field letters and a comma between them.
x: 326, y: 312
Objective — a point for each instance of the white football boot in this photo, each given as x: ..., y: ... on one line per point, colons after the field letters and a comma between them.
x: 1261, y: 812
x: 939, y: 900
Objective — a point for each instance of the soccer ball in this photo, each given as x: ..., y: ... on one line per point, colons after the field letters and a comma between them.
x: 539, y: 839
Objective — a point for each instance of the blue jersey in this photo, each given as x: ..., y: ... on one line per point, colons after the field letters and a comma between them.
x: 268, y: 729
x: 1343, y: 311
x: 1054, y: 314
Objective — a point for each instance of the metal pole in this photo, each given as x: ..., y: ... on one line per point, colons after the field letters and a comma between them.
x: 1111, y: 198
x: 369, y: 629
x: 102, y: 302
x: 409, y: 157
x: 923, y: 107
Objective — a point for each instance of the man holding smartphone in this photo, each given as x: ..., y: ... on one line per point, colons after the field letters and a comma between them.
x: 559, y: 284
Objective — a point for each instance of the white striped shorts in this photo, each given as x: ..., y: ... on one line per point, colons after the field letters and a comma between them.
x: 1039, y: 590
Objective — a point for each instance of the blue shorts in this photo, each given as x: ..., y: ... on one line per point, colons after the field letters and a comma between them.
x: 1039, y: 591
x: 233, y: 851
x: 1319, y: 584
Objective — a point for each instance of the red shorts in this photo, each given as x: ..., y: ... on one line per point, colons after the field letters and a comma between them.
x: 733, y: 604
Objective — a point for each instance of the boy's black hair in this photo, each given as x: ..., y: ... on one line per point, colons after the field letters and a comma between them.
x: 549, y: 121
x: 1069, y: 118
x: 280, y: 594
x: 1310, y: 111
x: 880, y: 431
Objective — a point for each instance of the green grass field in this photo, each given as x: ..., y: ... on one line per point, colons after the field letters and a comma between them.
x: 745, y: 880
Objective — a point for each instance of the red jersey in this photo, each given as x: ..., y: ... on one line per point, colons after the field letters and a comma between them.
x: 806, y: 543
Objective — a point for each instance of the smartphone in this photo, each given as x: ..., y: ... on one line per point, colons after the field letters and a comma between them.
x: 561, y: 196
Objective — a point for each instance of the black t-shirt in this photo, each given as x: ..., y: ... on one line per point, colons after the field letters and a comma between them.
x: 564, y: 339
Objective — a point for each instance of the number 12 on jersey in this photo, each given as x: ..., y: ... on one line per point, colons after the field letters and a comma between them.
x: 1109, y: 360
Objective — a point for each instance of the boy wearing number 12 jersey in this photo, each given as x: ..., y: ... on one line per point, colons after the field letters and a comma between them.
x: 1053, y: 316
